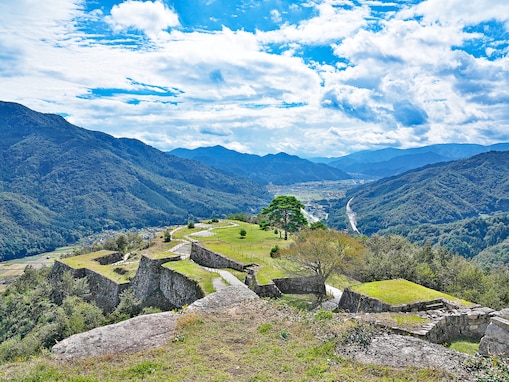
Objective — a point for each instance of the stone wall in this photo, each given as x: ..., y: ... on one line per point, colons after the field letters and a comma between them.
x: 264, y: 290
x: 496, y: 337
x: 208, y: 258
x: 58, y: 270
x: 355, y: 302
x: 110, y: 259
x: 301, y: 285
x: 447, y: 321
x: 147, y: 279
x: 178, y: 289
x: 104, y: 291
x: 449, y: 325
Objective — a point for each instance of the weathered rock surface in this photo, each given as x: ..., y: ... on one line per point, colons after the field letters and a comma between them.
x: 224, y: 298
x: 404, y: 351
x: 496, y: 338
x: 129, y: 336
x: 143, y: 332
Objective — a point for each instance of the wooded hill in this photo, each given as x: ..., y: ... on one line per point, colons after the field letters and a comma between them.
x: 59, y: 182
x: 463, y: 205
x: 280, y: 169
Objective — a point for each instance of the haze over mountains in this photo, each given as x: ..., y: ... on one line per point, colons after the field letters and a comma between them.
x: 392, y: 161
x: 280, y: 169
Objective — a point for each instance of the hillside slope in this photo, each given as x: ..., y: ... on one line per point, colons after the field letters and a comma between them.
x: 59, y: 182
x: 280, y: 169
x: 417, y: 202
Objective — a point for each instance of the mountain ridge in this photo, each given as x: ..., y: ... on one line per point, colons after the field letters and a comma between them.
x: 280, y: 168
x: 59, y: 181
x: 392, y: 161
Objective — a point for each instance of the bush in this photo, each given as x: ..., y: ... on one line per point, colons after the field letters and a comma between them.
x: 190, y: 225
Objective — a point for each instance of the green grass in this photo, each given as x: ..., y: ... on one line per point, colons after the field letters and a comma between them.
x: 267, y: 342
x: 254, y: 248
x: 397, y: 292
x: 408, y: 320
x: 465, y: 345
x: 195, y: 272
x: 88, y: 261
x: 341, y: 281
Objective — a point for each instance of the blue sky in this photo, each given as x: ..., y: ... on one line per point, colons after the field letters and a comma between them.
x: 311, y: 78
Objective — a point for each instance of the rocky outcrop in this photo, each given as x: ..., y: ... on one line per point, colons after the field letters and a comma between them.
x: 129, y: 336
x: 226, y: 298
x: 142, y: 332
x: 496, y: 337
x: 404, y: 351
x: 208, y: 258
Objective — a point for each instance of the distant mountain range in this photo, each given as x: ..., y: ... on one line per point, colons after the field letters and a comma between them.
x: 278, y: 169
x: 391, y: 161
x: 447, y: 203
x: 59, y: 182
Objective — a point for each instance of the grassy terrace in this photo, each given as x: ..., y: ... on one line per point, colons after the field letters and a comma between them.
x: 110, y: 271
x: 397, y: 292
x: 224, y: 237
x: 194, y: 272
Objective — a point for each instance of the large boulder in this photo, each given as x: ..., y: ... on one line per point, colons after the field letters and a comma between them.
x: 496, y: 337
x: 128, y: 336
x: 145, y: 331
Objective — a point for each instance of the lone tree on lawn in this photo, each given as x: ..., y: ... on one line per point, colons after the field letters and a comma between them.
x: 324, y: 252
x: 285, y: 213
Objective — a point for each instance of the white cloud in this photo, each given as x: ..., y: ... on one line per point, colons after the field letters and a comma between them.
x: 331, y: 24
x: 230, y: 90
x: 460, y: 12
x: 153, y: 18
x: 275, y: 16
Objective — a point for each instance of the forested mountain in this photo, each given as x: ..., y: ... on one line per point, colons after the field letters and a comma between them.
x: 280, y: 169
x: 463, y: 205
x: 392, y: 161
x: 59, y: 181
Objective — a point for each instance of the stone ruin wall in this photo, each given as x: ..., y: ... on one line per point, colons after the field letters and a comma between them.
x: 208, y: 258
x: 105, y: 292
x: 445, y: 325
x: 496, y: 337
x: 153, y: 284
x: 274, y: 289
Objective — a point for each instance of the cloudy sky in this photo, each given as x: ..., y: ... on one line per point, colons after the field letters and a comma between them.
x: 311, y: 78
